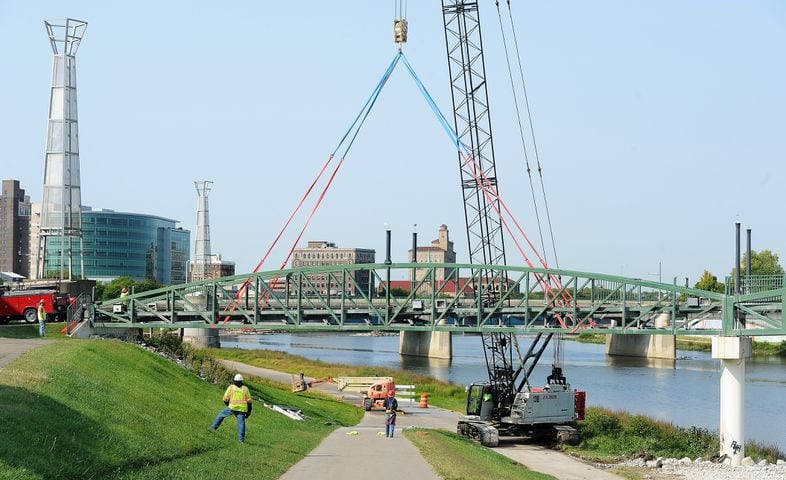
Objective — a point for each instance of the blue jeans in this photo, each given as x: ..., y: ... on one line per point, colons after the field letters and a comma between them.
x: 241, y: 422
x: 390, y: 424
x: 41, y: 328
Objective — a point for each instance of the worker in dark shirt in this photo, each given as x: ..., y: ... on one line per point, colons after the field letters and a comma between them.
x: 391, y: 408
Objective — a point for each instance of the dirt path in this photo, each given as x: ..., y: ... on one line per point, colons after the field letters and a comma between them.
x: 354, y: 456
x: 12, y: 348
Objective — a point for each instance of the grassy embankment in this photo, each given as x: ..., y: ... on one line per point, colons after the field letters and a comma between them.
x: 458, y: 458
x: 87, y: 409
x: 606, y: 435
x: 94, y: 409
x: 694, y: 343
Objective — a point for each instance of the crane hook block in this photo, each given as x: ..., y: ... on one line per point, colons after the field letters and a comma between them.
x: 400, y: 32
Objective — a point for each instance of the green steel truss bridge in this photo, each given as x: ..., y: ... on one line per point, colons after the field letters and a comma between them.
x: 450, y: 297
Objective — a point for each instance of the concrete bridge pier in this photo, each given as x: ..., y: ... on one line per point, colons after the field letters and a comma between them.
x: 200, y: 337
x: 645, y: 346
x: 426, y: 344
x: 732, y: 352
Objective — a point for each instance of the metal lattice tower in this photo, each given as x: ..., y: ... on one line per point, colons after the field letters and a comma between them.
x: 61, y: 209
x: 472, y: 123
x: 202, y: 246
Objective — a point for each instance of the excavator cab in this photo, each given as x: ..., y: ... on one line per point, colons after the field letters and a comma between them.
x: 480, y: 401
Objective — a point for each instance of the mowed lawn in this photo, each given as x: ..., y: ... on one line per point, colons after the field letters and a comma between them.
x: 103, y: 408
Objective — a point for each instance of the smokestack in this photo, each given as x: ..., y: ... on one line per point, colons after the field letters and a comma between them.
x: 748, y: 264
x: 737, y: 261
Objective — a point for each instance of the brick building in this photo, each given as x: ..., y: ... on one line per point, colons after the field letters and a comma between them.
x: 319, y: 253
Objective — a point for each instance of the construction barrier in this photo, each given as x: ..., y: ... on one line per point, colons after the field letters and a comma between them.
x: 424, y: 400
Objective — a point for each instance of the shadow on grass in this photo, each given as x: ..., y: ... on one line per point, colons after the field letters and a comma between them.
x: 44, y: 436
x: 30, y: 330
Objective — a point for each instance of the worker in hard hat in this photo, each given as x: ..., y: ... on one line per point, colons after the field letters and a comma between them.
x: 124, y: 294
x: 238, y: 403
x: 391, y: 407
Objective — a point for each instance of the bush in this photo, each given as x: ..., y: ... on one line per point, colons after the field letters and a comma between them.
x: 197, y: 361
x: 599, y: 422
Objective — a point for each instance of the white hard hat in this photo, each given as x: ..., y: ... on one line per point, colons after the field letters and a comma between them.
x: 238, y: 377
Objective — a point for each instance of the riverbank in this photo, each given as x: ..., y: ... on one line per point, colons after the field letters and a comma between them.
x: 103, y: 408
x: 607, y: 436
x: 693, y: 343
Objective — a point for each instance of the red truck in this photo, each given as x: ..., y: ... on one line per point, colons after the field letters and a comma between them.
x: 23, y: 304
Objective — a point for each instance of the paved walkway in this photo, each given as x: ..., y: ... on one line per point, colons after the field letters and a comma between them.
x: 12, y: 348
x: 370, y: 455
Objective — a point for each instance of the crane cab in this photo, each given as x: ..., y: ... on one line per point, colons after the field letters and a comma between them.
x: 480, y: 401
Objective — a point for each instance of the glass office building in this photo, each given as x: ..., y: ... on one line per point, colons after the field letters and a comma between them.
x: 129, y: 244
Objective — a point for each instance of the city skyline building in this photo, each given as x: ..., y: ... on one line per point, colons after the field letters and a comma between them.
x: 440, y: 251
x: 61, y: 216
x: 202, y: 245
x: 14, y: 229
x: 215, y: 267
x: 136, y: 245
x: 322, y: 253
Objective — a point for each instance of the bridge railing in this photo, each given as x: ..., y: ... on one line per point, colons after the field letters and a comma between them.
x: 454, y: 297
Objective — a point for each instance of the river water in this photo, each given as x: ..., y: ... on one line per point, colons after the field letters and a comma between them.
x: 685, y: 392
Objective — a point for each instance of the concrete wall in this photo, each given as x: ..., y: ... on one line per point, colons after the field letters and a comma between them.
x: 426, y: 344
x: 84, y: 330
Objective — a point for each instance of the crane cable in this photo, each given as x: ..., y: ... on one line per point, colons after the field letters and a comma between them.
x: 558, y: 350
x: 521, y: 130
x: 532, y: 133
x: 351, y: 135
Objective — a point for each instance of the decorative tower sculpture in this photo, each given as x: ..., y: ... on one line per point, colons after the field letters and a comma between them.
x: 61, y: 209
x: 202, y: 246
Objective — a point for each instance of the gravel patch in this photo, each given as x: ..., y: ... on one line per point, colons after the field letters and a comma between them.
x: 702, y: 469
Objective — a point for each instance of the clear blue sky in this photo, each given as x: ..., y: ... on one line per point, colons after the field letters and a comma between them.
x: 659, y: 123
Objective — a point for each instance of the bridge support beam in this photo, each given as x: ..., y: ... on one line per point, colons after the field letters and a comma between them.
x: 426, y: 344
x: 732, y: 352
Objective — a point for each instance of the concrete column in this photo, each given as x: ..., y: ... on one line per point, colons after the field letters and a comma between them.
x: 426, y: 344
x: 732, y: 352
x: 200, y: 337
x: 645, y: 346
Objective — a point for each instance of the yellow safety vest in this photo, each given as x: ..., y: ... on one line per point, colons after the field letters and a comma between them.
x: 41, y: 314
x: 238, y: 398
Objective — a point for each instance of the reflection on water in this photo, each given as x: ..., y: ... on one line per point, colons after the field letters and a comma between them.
x: 616, y: 361
x: 685, y: 391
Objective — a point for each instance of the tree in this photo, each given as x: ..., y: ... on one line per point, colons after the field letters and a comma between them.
x: 762, y: 263
x: 112, y: 289
x: 710, y: 283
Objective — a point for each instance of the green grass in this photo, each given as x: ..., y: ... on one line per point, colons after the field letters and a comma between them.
x: 101, y: 408
x: 30, y: 330
x: 586, y: 337
x: 457, y: 458
x: 441, y: 394
x: 607, y: 436
x: 614, y: 435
